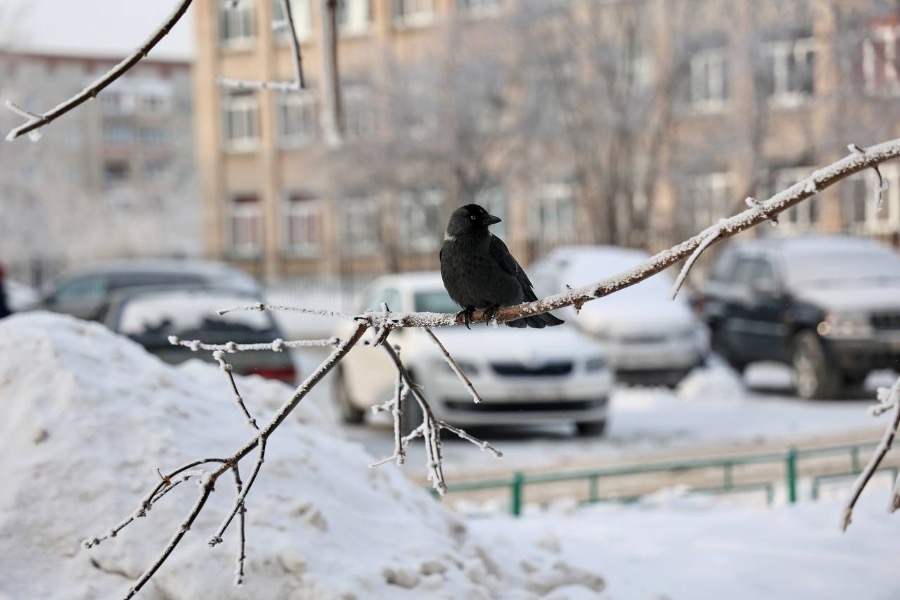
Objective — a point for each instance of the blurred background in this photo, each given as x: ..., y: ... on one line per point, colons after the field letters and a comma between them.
x: 632, y: 123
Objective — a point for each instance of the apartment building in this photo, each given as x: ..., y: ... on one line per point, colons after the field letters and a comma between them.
x: 113, y: 178
x: 633, y: 122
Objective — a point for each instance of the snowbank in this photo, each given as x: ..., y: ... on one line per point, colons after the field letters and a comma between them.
x: 88, y: 416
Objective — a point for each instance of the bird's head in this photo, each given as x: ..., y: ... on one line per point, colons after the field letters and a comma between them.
x: 470, y: 218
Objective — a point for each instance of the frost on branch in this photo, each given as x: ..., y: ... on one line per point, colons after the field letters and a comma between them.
x: 888, y: 400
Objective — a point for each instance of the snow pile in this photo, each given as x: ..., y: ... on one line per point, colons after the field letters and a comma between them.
x: 88, y: 416
x: 712, y: 384
x: 675, y: 548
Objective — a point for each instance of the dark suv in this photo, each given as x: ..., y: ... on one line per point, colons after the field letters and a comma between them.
x: 827, y: 305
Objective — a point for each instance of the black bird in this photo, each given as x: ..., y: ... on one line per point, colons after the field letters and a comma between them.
x: 480, y: 273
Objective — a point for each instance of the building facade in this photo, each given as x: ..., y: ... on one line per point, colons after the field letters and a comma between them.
x: 632, y: 122
x: 112, y: 179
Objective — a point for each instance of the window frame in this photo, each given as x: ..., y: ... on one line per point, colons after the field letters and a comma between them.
x: 413, y: 232
x: 241, y: 208
x: 244, y: 14
x: 246, y: 103
x: 304, y: 208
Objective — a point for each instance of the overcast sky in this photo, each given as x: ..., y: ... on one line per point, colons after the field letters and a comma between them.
x: 105, y: 26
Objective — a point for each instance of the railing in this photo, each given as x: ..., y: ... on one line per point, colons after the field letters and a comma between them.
x: 790, y: 460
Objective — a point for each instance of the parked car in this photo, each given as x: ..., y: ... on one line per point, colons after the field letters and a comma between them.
x: 150, y: 315
x: 523, y: 375
x: 827, y: 305
x: 86, y: 293
x: 650, y: 339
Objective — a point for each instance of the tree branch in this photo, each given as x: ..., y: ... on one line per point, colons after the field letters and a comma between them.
x: 99, y: 85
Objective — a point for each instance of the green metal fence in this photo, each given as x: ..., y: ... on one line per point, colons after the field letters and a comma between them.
x: 791, y: 459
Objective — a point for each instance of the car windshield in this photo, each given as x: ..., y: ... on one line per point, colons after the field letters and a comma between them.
x: 839, y: 268
x: 434, y: 301
x: 153, y: 317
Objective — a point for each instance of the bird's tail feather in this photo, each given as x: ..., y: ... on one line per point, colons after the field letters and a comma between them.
x: 537, y: 321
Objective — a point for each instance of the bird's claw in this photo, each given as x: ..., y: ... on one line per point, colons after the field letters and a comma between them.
x: 466, y: 314
x: 490, y: 312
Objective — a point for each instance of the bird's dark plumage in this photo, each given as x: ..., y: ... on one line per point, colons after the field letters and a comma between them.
x: 480, y: 273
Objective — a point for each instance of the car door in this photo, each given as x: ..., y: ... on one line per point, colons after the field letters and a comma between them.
x: 759, y: 329
x: 369, y: 372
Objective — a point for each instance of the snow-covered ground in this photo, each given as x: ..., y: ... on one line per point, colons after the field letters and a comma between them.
x: 88, y: 416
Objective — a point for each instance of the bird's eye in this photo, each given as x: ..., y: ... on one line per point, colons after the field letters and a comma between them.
x: 473, y: 217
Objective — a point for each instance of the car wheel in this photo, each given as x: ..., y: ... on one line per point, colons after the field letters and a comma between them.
x: 350, y: 414
x: 591, y: 428
x: 814, y: 375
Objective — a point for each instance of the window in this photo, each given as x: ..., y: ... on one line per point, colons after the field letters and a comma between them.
x: 480, y: 8
x: 789, y: 71
x: 115, y: 172
x: 154, y: 104
x: 418, y: 116
x: 353, y: 17
x: 237, y: 22
x: 91, y: 288
x: 241, y: 115
x: 296, y: 118
x: 155, y: 169
x: 863, y: 215
x: 115, y: 103
x: 492, y: 198
x: 117, y: 135
x: 705, y: 199
x: 359, y: 113
x: 420, y: 225
x: 413, y: 13
x: 553, y: 91
x: 360, y: 225
x: 245, y: 226
x: 708, y: 79
x: 303, y: 225
x: 154, y: 136
x: 553, y: 213
x: 301, y: 13
x: 881, y: 61
x: 802, y: 216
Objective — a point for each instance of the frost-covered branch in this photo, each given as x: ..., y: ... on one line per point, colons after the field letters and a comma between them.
x: 476, y: 397
x: 713, y: 234
x: 37, y: 121
x: 207, y: 480
x: 299, y: 82
x: 429, y: 430
x: 888, y: 398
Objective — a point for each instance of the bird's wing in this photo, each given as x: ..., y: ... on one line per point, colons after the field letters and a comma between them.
x: 508, y: 263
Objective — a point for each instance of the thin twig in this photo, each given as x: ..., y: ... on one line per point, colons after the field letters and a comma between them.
x: 476, y: 397
x: 892, y: 398
x: 279, y: 307
x: 206, y: 489
x: 99, y: 85
x: 712, y: 236
x: 295, y: 45
x: 299, y: 82
x: 276, y: 345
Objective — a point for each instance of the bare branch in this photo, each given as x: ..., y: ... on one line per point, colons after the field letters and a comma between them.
x: 476, y: 397
x: 299, y: 82
x: 275, y: 345
x: 99, y: 85
x: 713, y: 235
x: 889, y: 398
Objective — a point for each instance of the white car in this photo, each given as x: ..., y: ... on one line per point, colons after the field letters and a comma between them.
x: 524, y: 376
x: 651, y: 340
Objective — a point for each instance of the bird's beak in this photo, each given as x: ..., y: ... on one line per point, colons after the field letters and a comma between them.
x: 491, y: 219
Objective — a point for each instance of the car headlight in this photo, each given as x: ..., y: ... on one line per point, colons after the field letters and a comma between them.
x: 469, y: 368
x: 596, y: 363
x: 845, y: 325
